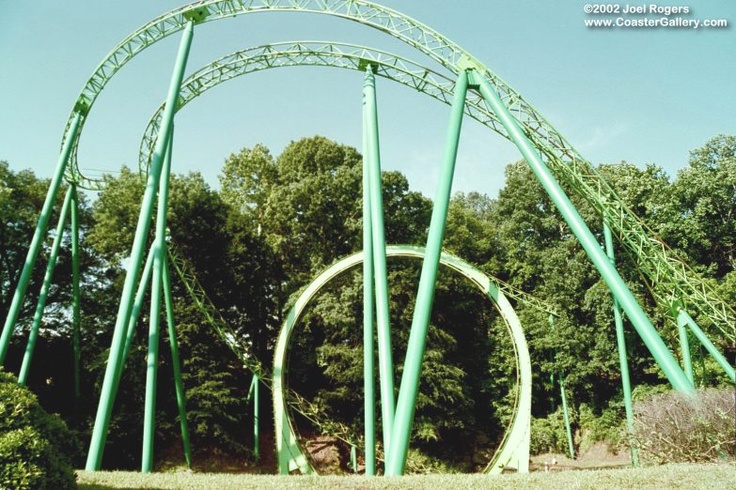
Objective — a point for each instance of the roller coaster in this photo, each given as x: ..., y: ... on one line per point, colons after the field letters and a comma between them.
x: 471, y: 90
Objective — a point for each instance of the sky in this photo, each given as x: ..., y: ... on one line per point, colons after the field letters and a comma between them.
x: 646, y: 95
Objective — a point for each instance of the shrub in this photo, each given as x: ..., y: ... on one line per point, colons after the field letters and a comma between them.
x: 35, y: 447
x: 548, y: 434
x: 609, y: 427
x: 672, y: 427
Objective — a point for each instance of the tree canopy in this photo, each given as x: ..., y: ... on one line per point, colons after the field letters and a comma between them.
x: 277, y: 221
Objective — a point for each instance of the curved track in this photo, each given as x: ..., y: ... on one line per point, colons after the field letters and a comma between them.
x: 671, y: 280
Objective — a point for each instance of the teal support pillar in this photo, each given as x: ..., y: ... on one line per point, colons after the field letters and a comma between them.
x: 563, y: 397
x: 76, y: 294
x: 135, y: 311
x: 254, y: 394
x: 38, y: 238
x: 385, y: 357
x: 181, y: 400
x: 43, y: 295
x: 110, y: 384
x: 684, y: 317
x: 154, y: 331
x: 403, y: 421
x: 634, y: 311
x: 369, y: 396
x: 566, y: 416
x: 687, y: 359
x: 622, y: 353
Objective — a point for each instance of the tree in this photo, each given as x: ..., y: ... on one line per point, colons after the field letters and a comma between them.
x: 704, y: 196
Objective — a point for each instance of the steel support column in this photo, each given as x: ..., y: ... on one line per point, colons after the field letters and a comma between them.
x: 684, y: 317
x: 380, y: 275
x: 181, y: 399
x: 404, y: 418
x: 110, y: 385
x: 135, y: 311
x: 369, y: 382
x: 254, y: 392
x: 622, y: 355
x: 634, y: 311
x: 76, y: 295
x: 38, y: 238
x: 154, y: 332
x: 43, y: 295
x: 687, y: 359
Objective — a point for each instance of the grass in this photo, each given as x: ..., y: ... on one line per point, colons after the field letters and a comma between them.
x: 674, y: 476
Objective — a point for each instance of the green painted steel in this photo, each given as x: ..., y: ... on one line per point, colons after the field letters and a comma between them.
x: 181, y: 400
x: 685, y: 317
x: 514, y: 449
x: 669, y: 276
x: 135, y: 311
x: 369, y: 381
x: 380, y: 274
x: 43, y: 295
x: 109, y: 386
x: 158, y: 250
x: 563, y: 398
x: 38, y: 238
x: 76, y: 296
x: 566, y: 416
x: 406, y: 404
x: 633, y: 310
x: 552, y: 158
x: 687, y: 360
x: 623, y: 358
x: 254, y: 393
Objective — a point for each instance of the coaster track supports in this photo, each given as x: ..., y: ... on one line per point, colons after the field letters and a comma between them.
x: 622, y: 355
x: 380, y: 274
x: 684, y: 318
x: 369, y: 383
x: 610, y: 275
x: 38, y: 237
x: 110, y: 385
x: 158, y: 249
x: 409, y: 390
x: 43, y: 295
x: 76, y: 295
x: 181, y: 400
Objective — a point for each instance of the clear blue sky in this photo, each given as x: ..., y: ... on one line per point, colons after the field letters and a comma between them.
x: 644, y: 96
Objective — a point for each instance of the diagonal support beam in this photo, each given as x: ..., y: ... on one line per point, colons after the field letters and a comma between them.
x: 622, y: 355
x: 406, y: 406
x: 634, y: 311
x: 43, y: 295
x: 38, y: 237
x: 110, y: 382
x: 378, y: 244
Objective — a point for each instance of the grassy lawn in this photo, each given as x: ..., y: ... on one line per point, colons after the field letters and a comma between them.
x: 684, y: 476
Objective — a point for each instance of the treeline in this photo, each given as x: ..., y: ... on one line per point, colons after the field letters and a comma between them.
x: 276, y: 222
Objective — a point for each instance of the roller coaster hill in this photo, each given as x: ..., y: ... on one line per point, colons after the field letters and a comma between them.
x: 445, y: 72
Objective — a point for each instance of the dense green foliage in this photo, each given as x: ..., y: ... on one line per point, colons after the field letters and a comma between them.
x: 277, y: 221
x: 36, y: 448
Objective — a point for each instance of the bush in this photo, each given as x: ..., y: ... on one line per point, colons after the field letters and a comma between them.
x: 674, y: 428
x: 609, y: 427
x: 35, y: 447
x: 548, y: 435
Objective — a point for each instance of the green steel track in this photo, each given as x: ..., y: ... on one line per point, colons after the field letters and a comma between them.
x: 671, y: 281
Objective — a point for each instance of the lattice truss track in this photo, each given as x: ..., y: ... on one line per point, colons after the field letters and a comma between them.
x: 670, y: 279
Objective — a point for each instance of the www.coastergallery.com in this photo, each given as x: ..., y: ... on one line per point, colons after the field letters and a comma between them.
x: 662, y: 22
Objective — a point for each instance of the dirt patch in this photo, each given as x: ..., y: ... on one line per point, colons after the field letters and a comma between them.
x: 598, y: 456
